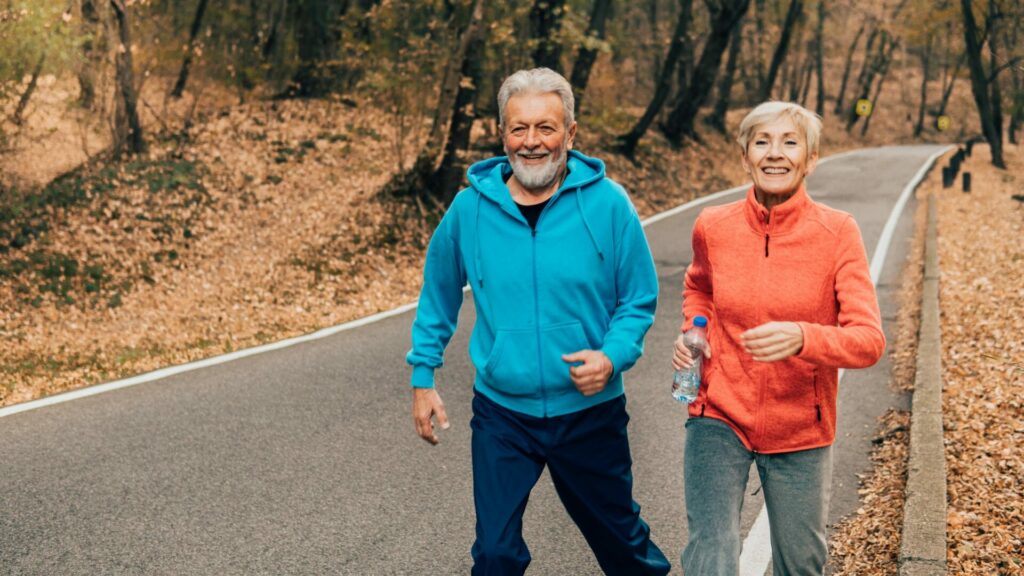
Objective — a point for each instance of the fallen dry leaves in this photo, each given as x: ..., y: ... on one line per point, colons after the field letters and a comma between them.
x: 981, y: 254
x: 982, y: 314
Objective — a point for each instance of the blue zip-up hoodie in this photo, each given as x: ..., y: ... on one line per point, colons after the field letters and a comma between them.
x: 583, y: 280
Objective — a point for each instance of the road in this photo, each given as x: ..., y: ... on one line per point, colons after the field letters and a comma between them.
x: 304, y: 460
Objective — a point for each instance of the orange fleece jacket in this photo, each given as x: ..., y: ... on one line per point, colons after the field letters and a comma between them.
x: 805, y: 264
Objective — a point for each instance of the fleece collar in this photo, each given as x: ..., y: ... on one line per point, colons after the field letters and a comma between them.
x: 784, y: 217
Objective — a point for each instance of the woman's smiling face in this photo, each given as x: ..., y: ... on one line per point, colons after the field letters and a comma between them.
x: 777, y: 158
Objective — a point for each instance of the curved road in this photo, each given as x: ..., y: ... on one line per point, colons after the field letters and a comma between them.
x: 303, y: 460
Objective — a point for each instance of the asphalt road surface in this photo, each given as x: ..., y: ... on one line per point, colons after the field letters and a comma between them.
x: 304, y: 460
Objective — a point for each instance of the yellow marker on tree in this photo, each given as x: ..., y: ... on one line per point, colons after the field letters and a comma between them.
x: 942, y: 123
x: 863, y: 107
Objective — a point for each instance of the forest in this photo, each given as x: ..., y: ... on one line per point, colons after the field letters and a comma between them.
x: 180, y: 178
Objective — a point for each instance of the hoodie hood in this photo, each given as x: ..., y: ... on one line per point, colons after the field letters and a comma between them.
x: 488, y: 176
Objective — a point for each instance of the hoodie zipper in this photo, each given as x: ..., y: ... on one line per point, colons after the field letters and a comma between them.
x: 536, y: 323
x: 536, y: 306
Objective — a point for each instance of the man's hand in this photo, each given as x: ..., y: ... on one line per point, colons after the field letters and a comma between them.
x: 426, y: 402
x: 773, y: 341
x: 591, y: 376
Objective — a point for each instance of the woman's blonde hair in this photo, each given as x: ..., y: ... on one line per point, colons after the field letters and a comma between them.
x: 767, y: 112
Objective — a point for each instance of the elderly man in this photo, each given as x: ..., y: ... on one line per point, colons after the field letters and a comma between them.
x: 565, y: 289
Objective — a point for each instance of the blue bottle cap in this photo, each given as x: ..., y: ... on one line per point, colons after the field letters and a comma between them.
x: 700, y: 322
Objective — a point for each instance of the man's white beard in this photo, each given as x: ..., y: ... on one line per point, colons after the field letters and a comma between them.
x: 538, y: 176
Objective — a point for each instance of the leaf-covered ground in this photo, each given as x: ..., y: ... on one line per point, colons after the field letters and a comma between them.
x: 981, y: 258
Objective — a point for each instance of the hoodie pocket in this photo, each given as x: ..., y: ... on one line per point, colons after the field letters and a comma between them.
x: 518, y: 364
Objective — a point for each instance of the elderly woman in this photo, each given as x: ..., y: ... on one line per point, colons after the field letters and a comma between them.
x: 784, y: 283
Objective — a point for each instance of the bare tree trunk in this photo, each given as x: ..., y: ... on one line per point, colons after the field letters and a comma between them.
x: 716, y: 119
x: 197, y: 22
x: 652, y: 18
x: 588, y: 50
x: 926, y: 57
x: 761, y: 23
x: 16, y: 118
x: 274, y: 32
x: 808, y: 73
x: 819, y: 50
x: 725, y: 14
x: 92, y: 50
x: 545, y: 23
x: 417, y: 180
x: 1017, y: 112
x: 793, y: 80
x: 873, y: 64
x: 947, y: 90
x: 883, y: 74
x: 627, y: 143
x: 993, y: 28
x: 795, y: 9
x: 979, y: 85
x: 128, y: 136
x: 447, y: 179
x: 846, y: 69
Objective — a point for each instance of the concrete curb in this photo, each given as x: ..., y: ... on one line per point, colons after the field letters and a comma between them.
x: 923, y: 545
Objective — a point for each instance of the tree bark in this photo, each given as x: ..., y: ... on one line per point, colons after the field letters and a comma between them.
x: 627, y: 143
x: 947, y: 90
x: 319, y: 34
x: 716, y: 119
x: 587, y: 54
x: 926, y: 57
x: 447, y: 179
x: 545, y: 23
x: 872, y: 66
x: 274, y: 32
x: 421, y: 179
x: 128, y: 137
x: 1017, y: 112
x: 808, y: 73
x: 794, y: 79
x: 16, y: 118
x: 795, y: 9
x: 979, y: 85
x: 761, y: 23
x: 197, y: 23
x: 993, y: 27
x: 819, y: 50
x: 725, y: 14
x: 882, y: 75
x: 846, y: 69
x: 92, y: 50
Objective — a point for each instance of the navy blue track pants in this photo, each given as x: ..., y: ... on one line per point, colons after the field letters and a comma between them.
x: 587, y: 454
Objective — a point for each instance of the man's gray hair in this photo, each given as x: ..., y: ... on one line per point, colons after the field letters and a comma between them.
x: 537, y: 81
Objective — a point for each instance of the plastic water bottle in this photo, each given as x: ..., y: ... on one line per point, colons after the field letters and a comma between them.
x: 686, y: 382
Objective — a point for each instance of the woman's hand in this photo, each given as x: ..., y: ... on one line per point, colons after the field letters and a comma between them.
x: 773, y: 341
x: 681, y: 357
